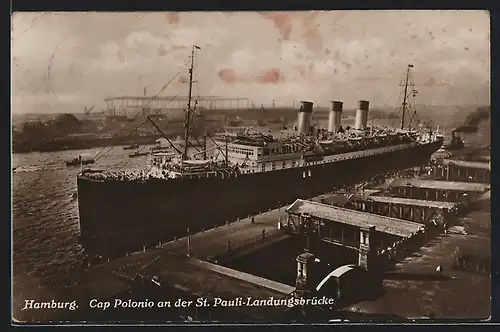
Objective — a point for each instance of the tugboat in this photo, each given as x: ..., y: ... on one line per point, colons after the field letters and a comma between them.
x: 138, y: 154
x: 162, y: 145
x: 456, y: 142
x: 131, y: 147
x: 80, y: 160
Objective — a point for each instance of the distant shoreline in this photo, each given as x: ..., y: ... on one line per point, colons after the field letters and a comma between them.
x: 75, y: 144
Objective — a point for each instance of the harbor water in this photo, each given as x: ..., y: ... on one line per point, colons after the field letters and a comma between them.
x: 45, y: 208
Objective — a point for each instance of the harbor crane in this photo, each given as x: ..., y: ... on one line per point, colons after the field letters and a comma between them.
x: 87, y: 110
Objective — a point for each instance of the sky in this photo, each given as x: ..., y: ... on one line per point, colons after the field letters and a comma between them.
x: 64, y: 61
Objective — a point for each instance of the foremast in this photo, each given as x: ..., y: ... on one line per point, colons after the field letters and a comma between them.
x: 188, y: 111
x: 405, y: 96
x: 409, y: 90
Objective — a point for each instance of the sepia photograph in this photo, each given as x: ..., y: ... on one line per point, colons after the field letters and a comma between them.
x: 250, y: 167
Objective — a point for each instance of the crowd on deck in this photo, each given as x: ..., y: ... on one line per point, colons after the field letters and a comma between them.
x: 157, y: 173
x: 126, y: 175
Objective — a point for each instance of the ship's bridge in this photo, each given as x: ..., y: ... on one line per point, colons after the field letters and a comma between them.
x: 246, y: 153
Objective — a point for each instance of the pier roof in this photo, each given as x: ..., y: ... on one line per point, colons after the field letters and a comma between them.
x: 411, y: 201
x: 440, y: 185
x: 469, y: 164
x: 393, y: 226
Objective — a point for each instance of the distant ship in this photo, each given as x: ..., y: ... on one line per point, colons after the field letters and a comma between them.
x: 456, y: 142
x: 131, y: 147
x: 80, y: 160
x: 181, y: 141
x: 138, y: 154
x: 245, y: 173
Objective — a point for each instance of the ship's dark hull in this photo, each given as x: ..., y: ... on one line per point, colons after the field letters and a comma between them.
x: 118, y: 217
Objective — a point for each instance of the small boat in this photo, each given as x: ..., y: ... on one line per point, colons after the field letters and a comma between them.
x: 180, y: 141
x: 161, y: 146
x: 80, y: 160
x: 138, y: 154
x: 131, y: 147
x: 161, y: 149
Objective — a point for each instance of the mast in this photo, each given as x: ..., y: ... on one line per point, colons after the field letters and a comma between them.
x: 405, y: 96
x: 205, y: 147
x: 188, y: 112
x: 227, y: 160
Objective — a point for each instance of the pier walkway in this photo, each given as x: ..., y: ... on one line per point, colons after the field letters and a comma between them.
x: 212, y: 241
x: 170, y: 262
x: 256, y: 280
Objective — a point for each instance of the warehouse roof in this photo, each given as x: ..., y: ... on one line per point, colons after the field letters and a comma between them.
x: 470, y: 164
x: 440, y: 185
x: 410, y: 201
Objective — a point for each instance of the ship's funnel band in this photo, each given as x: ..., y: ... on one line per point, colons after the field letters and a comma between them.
x: 363, y: 105
x: 306, y: 106
x: 362, y: 115
x: 335, y: 116
x: 337, y: 106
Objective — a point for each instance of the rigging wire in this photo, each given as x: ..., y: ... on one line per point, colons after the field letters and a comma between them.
x: 412, y: 108
x: 98, y: 155
x: 398, y: 114
x: 138, y: 113
x: 390, y: 97
x: 148, y: 145
x: 410, y: 102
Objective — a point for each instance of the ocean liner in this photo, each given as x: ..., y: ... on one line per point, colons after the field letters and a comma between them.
x: 245, y: 173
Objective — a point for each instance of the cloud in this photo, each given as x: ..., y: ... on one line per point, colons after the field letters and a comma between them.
x: 173, y: 18
x: 63, y: 102
x: 286, y: 24
x: 270, y: 76
x: 228, y: 76
x: 282, y: 22
x: 142, y: 50
x: 297, y: 63
x: 138, y: 50
x: 278, y: 56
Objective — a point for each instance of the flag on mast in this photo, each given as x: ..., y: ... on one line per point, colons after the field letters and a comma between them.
x: 197, y: 47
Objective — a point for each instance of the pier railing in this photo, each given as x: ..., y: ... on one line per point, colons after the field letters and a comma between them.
x: 473, y: 264
x: 232, y: 248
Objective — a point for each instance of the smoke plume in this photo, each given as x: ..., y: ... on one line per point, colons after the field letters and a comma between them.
x: 472, y: 121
